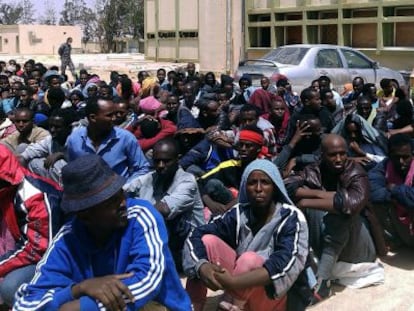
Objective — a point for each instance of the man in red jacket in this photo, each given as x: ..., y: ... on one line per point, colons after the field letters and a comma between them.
x: 26, y: 217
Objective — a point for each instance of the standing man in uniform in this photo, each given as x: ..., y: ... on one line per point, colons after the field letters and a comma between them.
x: 65, y: 57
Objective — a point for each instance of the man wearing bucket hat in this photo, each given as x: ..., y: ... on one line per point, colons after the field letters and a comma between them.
x: 112, y: 254
x: 53, y: 78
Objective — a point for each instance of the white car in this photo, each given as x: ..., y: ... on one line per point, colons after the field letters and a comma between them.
x: 303, y: 63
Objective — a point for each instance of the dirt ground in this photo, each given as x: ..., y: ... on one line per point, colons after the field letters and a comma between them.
x: 397, y: 292
x: 102, y: 64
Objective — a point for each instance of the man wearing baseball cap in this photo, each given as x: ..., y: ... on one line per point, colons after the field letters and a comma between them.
x: 112, y: 255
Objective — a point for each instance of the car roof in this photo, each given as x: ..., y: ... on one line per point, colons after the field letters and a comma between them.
x: 313, y: 45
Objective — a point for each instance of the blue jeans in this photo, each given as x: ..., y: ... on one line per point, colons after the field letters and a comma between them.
x: 12, y: 281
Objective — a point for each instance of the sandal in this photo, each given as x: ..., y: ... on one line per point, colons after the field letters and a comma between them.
x: 321, y: 292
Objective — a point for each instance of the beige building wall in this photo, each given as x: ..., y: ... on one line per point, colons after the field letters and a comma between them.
x: 188, y: 49
x: 187, y: 36
x: 9, y: 39
x: 212, y: 35
x: 166, y: 15
x: 37, y: 39
x: 189, y: 12
x: 167, y: 49
x: 238, y: 35
x: 150, y: 16
x: 195, y: 30
x: 167, y: 25
x: 219, y: 53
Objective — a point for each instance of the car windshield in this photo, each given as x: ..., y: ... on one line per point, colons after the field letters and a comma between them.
x: 287, y: 55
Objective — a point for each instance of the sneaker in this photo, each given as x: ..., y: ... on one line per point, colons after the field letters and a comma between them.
x: 321, y: 292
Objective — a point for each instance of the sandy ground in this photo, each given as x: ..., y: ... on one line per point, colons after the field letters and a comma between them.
x: 102, y: 64
x: 397, y: 292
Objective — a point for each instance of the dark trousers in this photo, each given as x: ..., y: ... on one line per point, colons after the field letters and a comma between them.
x: 218, y: 191
x: 393, y: 228
x: 336, y: 237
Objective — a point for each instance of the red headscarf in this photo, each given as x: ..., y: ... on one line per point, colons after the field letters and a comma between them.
x: 256, y: 138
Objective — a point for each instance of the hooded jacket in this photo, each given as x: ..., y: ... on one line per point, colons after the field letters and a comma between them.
x: 283, y: 241
x: 371, y: 136
x: 26, y: 206
x: 380, y: 194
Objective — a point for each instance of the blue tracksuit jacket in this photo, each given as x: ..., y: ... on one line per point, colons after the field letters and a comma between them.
x: 141, y: 247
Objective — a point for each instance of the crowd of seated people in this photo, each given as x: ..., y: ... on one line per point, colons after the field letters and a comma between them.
x: 256, y: 191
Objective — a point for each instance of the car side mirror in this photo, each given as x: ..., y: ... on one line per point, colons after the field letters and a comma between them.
x: 375, y: 65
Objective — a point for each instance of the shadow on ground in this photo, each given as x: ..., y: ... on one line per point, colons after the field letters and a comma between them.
x: 402, y: 258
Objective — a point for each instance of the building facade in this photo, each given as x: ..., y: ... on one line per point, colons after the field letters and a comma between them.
x: 37, y: 39
x: 218, y: 33
x: 382, y: 29
x: 208, y: 32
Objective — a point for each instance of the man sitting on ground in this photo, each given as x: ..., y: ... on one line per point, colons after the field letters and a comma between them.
x: 124, y: 116
x: 215, y: 184
x: 332, y: 194
x: 112, y: 255
x: 116, y: 146
x: 304, y: 148
x: 250, y: 115
x: 26, y: 133
x: 174, y: 194
x: 374, y: 117
x: 392, y: 191
x: 311, y: 102
x: 48, y: 157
